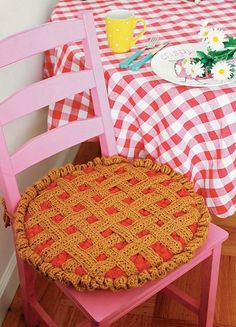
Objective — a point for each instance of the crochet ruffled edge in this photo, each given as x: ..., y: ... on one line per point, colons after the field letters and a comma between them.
x: 90, y: 283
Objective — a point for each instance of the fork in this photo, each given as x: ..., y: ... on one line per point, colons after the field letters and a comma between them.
x: 151, y: 44
x: 135, y: 66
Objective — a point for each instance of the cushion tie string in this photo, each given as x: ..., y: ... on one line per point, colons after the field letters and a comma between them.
x: 7, y: 217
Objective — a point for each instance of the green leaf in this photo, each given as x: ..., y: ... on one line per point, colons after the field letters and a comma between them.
x: 202, y: 55
x: 231, y: 42
x: 217, y: 53
x: 225, y: 55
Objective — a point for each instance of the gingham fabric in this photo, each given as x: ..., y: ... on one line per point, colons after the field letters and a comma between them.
x: 190, y: 129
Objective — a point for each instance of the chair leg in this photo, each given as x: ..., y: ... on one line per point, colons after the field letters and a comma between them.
x: 27, y: 286
x: 210, y: 271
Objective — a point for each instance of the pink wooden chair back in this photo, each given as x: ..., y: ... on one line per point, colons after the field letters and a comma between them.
x: 45, y: 92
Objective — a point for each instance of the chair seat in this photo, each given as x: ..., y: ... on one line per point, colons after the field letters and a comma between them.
x: 110, y: 224
x: 103, y: 304
x: 116, y: 302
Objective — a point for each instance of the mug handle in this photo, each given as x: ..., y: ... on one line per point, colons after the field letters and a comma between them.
x: 136, y: 20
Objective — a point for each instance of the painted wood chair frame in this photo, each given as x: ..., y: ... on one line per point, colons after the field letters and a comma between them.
x: 101, y: 308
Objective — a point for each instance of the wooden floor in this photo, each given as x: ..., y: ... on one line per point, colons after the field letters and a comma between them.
x: 158, y: 311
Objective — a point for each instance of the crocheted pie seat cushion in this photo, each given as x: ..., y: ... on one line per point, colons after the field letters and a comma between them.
x: 110, y: 224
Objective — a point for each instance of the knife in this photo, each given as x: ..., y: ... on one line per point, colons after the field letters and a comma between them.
x: 135, y: 66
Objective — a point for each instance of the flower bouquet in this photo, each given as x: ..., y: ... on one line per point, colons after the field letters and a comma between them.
x: 217, y: 61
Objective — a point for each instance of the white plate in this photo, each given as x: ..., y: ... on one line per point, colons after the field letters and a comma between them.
x: 163, y: 64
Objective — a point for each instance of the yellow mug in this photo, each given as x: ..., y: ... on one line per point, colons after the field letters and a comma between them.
x: 120, y: 25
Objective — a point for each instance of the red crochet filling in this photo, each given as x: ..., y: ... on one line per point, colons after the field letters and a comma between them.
x: 133, y: 181
x: 128, y: 200
x: 52, y: 185
x: 101, y: 257
x: 159, y: 223
x: 34, y: 230
x: 114, y: 189
x: 148, y: 190
x: 84, y: 187
x: 107, y: 232
x: 97, y: 198
x: 111, y: 210
x: 120, y: 170
x: 183, y: 192
x: 86, y: 244
x: 40, y: 247
x: 143, y: 233
x: 193, y: 227
x: 71, y: 229
x: 140, y: 262
x: 179, y: 214
x: 78, y: 207
x: 58, y: 218
x: 64, y: 196
x: 27, y: 216
x: 100, y: 179
x: 92, y: 219
x: 152, y: 173
x: 163, y: 203
x: 121, y: 245
x: 168, y: 181
x: 45, y: 205
x: 115, y: 272
x: 162, y: 251
x: 80, y: 271
x: 126, y: 222
x: 88, y: 170
x: 59, y: 259
x: 144, y: 212
x: 69, y: 177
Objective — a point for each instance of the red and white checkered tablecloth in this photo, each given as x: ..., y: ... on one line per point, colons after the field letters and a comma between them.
x: 193, y: 130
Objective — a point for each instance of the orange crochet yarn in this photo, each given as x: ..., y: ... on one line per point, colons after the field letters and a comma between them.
x: 110, y: 224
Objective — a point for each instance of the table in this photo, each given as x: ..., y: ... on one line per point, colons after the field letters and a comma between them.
x: 190, y: 129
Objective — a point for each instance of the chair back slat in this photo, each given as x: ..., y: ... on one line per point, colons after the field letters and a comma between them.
x: 40, y: 94
x: 50, y: 35
x: 52, y: 142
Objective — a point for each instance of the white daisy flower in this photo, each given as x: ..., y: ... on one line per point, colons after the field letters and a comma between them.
x: 215, y: 39
x: 186, y: 62
x: 204, y: 31
x: 195, y: 69
x: 221, y: 71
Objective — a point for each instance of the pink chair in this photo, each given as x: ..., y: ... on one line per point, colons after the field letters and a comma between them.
x: 100, y: 307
